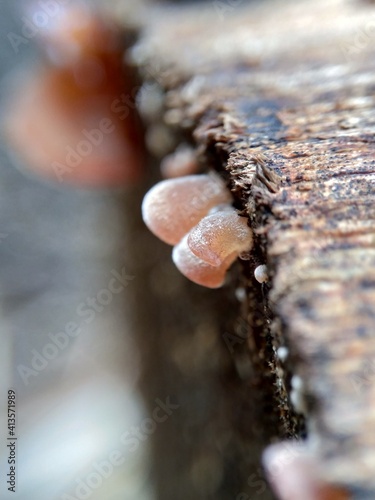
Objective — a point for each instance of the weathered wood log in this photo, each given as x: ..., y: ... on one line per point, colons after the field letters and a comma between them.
x: 279, y: 98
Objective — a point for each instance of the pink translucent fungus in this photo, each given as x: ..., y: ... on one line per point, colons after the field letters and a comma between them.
x: 174, y: 206
x: 294, y: 474
x: 194, y: 214
x: 196, y: 269
x: 180, y: 163
x: 220, y: 235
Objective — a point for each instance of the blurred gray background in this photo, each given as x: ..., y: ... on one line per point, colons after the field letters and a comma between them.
x: 57, y: 249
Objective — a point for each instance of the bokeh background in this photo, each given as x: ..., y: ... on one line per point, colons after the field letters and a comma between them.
x: 58, y: 248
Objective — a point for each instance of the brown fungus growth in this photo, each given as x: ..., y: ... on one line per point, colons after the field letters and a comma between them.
x: 174, y: 206
x: 196, y: 269
x: 67, y: 119
x: 219, y: 236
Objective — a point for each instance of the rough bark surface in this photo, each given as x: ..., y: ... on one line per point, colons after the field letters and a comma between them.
x: 279, y: 98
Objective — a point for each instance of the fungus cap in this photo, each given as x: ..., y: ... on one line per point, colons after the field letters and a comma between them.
x: 219, y: 235
x: 196, y: 269
x: 174, y: 206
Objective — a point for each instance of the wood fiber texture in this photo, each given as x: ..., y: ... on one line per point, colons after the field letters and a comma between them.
x: 280, y: 99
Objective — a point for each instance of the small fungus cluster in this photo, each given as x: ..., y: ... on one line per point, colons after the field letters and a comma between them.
x: 194, y: 213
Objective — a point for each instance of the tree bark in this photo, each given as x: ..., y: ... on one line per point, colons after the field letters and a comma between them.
x: 279, y: 98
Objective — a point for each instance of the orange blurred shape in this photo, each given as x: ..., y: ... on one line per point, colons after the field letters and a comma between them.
x: 75, y: 120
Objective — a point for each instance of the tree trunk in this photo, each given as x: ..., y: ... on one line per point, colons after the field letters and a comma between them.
x: 279, y: 98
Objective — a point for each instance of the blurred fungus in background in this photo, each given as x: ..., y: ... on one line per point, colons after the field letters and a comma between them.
x: 73, y: 119
x: 66, y: 264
